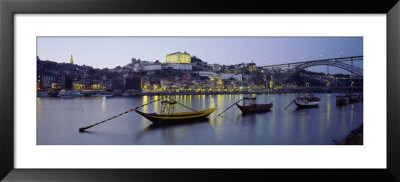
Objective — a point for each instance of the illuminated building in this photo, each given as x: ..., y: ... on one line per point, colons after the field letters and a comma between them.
x: 71, y: 60
x: 78, y: 86
x: 96, y: 86
x: 47, y: 80
x: 271, y: 83
x: 252, y: 68
x: 178, y: 57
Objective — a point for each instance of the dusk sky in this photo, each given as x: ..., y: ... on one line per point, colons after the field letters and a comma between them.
x: 109, y: 52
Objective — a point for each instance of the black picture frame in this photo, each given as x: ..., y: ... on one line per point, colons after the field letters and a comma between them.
x: 8, y: 8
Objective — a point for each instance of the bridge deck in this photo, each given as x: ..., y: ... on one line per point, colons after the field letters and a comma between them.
x: 341, y: 59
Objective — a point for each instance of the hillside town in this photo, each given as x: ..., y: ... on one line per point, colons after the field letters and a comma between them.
x: 180, y: 73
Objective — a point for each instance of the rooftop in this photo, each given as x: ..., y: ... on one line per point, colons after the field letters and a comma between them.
x: 178, y: 53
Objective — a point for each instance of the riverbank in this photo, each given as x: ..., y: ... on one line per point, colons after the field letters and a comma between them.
x: 280, y: 91
x: 205, y: 93
x: 354, y: 138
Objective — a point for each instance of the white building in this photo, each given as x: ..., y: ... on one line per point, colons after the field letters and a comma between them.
x: 47, y: 80
x: 227, y: 76
x: 136, y: 65
x: 178, y: 66
x: 144, y: 63
x: 208, y: 74
x: 216, y: 67
x: 152, y: 67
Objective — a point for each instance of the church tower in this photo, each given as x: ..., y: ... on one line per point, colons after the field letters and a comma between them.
x: 71, y: 60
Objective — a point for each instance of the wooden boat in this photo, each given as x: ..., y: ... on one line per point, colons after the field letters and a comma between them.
x: 166, y: 115
x: 303, y: 102
x: 249, y: 106
x: 255, y: 107
x: 341, y: 100
x: 311, y: 97
x: 353, y: 98
x: 176, y: 117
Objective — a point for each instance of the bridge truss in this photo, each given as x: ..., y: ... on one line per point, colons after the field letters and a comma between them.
x: 335, y: 62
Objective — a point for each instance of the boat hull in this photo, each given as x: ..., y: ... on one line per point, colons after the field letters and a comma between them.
x: 353, y: 100
x: 177, y: 117
x: 314, y: 99
x: 306, y: 105
x: 255, y: 108
x: 341, y: 102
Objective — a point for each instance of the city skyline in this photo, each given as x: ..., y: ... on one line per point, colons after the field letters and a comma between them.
x: 109, y: 52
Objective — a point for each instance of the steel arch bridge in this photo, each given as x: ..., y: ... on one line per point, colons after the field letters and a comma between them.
x: 335, y: 62
x: 353, y: 69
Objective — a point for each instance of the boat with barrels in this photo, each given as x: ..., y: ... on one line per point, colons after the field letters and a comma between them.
x: 167, y: 114
x: 249, y: 106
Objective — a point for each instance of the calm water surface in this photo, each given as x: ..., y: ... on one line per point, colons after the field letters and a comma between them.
x: 58, y: 121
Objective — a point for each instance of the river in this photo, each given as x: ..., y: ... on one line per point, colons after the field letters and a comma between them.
x: 58, y: 121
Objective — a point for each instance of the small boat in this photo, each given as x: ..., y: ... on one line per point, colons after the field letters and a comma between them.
x: 102, y: 95
x: 70, y: 93
x: 107, y: 95
x: 174, y: 117
x: 360, y: 96
x: 167, y: 114
x: 303, y: 102
x: 353, y: 98
x: 311, y: 97
x: 249, y: 106
x: 42, y: 94
x: 96, y: 95
x: 341, y: 100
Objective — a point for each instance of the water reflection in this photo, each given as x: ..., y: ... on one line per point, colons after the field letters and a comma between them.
x: 145, y: 110
x: 59, y: 119
x: 172, y: 132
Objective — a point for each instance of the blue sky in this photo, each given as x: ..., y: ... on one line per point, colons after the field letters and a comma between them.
x: 109, y: 52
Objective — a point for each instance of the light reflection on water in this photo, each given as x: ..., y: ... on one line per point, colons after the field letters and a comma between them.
x: 58, y: 121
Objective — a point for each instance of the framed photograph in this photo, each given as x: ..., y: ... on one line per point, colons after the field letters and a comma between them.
x: 180, y: 90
